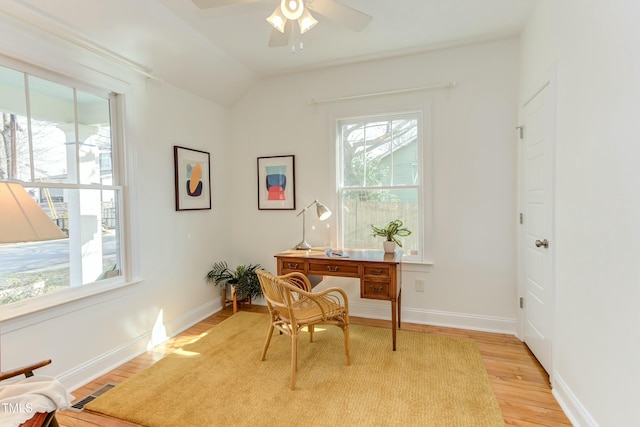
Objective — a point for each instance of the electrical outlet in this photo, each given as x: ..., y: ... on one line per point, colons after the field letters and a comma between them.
x: 419, y: 285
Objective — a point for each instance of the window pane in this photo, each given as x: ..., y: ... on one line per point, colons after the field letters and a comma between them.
x: 404, y: 157
x: 95, y: 139
x: 361, y: 208
x: 378, y: 150
x: 365, y: 146
x: 90, y: 253
x: 353, y: 155
x: 14, y: 138
x: 52, y: 126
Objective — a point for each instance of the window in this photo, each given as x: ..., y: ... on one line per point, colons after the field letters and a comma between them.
x: 380, y: 179
x: 57, y: 140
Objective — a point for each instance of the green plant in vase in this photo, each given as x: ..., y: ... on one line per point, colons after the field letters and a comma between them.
x: 391, y: 232
x: 243, y: 279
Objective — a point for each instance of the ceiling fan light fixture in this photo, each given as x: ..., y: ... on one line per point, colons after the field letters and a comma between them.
x: 292, y: 9
x: 277, y: 20
x: 306, y: 21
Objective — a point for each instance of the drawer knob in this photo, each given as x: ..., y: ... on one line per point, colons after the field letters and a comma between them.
x: 332, y: 269
x: 374, y: 289
x: 293, y: 266
x: 376, y: 272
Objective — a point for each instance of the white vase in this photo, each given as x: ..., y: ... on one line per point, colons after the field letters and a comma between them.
x: 389, y: 246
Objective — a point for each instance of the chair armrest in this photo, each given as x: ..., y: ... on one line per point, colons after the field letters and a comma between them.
x: 315, y: 296
x: 345, y: 300
x: 26, y: 370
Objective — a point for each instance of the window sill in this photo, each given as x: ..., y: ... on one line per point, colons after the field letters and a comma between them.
x: 60, y: 298
x: 417, y: 266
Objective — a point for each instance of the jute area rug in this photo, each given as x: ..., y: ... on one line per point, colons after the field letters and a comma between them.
x: 219, y: 380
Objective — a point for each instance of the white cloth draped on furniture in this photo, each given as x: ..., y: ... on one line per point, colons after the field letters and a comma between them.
x: 20, y: 400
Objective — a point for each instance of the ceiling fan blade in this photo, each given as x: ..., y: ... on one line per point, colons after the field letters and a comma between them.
x: 207, y: 4
x: 345, y: 15
x: 278, y: 39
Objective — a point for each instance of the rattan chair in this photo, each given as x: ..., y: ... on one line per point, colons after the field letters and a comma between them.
x: 293, y: 306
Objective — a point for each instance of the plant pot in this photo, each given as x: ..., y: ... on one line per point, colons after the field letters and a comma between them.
x: 389, y: 246
x: 229, y: 290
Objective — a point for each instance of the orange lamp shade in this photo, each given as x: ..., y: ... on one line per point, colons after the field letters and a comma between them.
x: 22, y: 219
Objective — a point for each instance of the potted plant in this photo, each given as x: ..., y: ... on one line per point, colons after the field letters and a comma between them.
x: 242, y: 280
x: 391, y: 232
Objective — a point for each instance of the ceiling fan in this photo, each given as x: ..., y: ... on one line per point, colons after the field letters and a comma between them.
x: 290, y: 12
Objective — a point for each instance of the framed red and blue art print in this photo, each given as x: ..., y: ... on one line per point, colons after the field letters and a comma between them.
x: 193, y: 179
x: 276, y: 182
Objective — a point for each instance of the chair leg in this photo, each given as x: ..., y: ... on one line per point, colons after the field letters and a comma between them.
x: 294, y: 359
x: 347, y: 345
x: 267, y: 342
x: 310, y: 329
x: 53, y: 421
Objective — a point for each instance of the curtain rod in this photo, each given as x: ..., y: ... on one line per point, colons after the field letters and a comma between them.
x: 85, y: 44
x: 449, y: 85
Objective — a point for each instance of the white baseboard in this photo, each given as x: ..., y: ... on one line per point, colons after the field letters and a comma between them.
x: 437, y: 318
x: 575, y: 411
x: 98, y: 366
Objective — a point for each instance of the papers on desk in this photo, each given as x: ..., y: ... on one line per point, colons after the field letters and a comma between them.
x: 337, y: 255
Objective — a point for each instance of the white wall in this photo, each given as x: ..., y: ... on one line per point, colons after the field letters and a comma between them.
x: 176, y: 249
x: 595, y: 47
x: 472, y: 282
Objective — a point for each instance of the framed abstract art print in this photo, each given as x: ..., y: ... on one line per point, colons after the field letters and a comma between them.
x: 192, y: 178
x: 276, y: 182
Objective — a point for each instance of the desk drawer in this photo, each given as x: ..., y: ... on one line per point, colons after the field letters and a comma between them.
x: 373, y: 289
x: 327, y: 268
x: 376, y: 271
x: 289, y: 265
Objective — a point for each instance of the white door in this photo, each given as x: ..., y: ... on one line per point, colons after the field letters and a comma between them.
x: 538, y: 290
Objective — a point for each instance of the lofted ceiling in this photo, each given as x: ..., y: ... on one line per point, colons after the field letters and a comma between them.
x: 219, y: 52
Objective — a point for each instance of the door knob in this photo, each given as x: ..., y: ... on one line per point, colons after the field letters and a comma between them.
x: 542, y: 243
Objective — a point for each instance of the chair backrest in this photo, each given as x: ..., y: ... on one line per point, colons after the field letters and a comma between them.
x: 278, y: 297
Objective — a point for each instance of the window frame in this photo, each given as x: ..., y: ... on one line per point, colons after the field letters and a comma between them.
x: 397, y: 107
x: 123, y: 158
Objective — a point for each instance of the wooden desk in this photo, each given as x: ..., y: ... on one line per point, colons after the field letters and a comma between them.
x: 379, y: 273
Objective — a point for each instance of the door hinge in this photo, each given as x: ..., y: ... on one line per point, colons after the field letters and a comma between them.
x: 521, y: 218
x: 521, y: 302
x: 520, y: 131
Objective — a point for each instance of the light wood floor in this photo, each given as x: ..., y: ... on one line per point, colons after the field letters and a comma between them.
x: 519, y: 382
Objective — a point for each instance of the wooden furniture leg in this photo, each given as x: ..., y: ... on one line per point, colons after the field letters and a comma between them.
x: 235, y: 303
x: 400, y: 309
x: 394, y: 315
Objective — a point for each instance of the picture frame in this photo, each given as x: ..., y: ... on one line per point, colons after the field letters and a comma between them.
x: 276, y: 183
x: 192, y: 179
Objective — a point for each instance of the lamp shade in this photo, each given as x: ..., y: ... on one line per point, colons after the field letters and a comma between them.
x: 306, y: 21
x: 277, y: 20
x: 323, y: 211
x: 22, y: 219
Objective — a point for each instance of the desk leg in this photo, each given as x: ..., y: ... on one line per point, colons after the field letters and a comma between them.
x: 393, y: 322
x: 400, y: 309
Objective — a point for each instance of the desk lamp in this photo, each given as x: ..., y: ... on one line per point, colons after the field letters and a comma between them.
x: 323, y: 213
